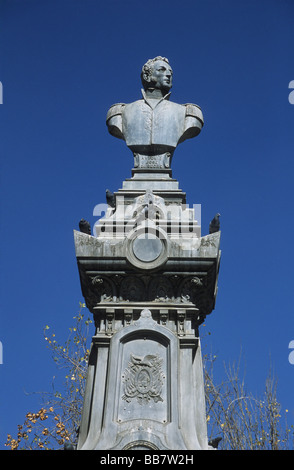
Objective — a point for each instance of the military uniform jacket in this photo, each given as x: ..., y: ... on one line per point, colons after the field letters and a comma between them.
x: 149, y: 124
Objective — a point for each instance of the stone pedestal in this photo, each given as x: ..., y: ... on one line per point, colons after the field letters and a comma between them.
x: 150, y: 279
x: 145, y: 388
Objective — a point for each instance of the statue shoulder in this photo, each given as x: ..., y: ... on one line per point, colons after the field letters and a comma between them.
x: 193, y: 121
x: 193, y: 110
x: 114, y: 120
x: 115, y: 110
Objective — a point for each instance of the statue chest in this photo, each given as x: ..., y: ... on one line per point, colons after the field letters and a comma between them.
x: 162, y: 124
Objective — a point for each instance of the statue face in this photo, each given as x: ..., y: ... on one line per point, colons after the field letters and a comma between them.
x: 161, y: 75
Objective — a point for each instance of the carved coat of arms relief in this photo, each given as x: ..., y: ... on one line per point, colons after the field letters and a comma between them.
x: 143, y: 379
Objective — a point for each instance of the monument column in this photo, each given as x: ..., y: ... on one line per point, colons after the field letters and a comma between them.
x: 149, y: 278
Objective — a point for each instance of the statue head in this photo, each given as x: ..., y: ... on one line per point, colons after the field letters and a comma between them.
x: 157, y: 73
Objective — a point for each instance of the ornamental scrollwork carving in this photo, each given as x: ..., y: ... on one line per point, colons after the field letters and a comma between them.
x: 96, y: 289
x: 160, y: 289
x: 200, y: 292
x: 132, y: 289
x: 102, y: 288
x: 191, y: 289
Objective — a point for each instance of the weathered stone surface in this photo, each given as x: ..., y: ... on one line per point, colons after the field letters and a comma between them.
x: 150, y: 279
x: 146, y: 408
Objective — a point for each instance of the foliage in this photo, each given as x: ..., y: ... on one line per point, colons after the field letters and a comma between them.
x: 36, y: 434
x: 240, y: 419
x: 243, y: 421
x: 64, y: 406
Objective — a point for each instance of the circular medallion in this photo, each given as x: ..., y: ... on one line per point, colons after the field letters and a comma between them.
x: 147, y: 248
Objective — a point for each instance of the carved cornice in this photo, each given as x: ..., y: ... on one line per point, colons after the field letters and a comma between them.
x: 153, y: 287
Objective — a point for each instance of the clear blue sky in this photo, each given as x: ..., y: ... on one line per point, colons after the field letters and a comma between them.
x: 63, y: 64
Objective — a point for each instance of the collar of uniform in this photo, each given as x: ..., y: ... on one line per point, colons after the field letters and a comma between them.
x: 153, y: 101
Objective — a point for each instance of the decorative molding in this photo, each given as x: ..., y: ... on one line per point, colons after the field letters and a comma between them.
x: 140, y: 444
x: 112, y: 289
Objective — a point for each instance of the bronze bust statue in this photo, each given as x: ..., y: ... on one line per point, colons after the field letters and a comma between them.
x: 154, y: 126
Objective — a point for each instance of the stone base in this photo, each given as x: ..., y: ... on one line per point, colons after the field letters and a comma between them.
x: 149, y: 279
x: 144, y: 390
